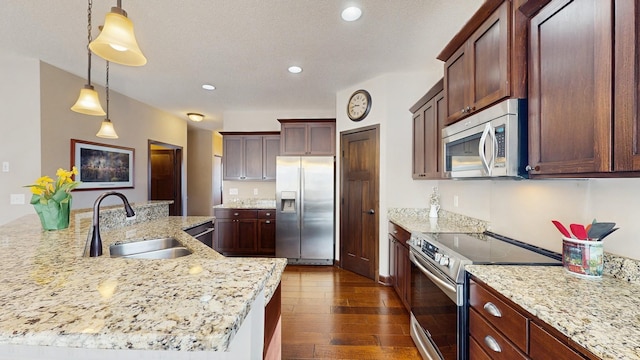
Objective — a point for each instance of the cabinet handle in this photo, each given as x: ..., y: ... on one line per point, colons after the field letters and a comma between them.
x: 492, y: 309
x: 268, y: 222
x: 235, y: 214
x: 463, y: 110
x: 492, y: 343
x: 268, y: 214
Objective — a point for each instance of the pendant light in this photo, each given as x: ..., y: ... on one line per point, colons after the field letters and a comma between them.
x: 117, y: 42
x: 88, y: 102
x: 107, y: 130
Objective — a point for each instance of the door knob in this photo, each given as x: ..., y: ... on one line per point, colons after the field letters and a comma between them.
x: 371, y: 211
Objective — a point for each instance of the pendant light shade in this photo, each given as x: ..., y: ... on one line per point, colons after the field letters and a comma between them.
x: 117, y: 42
x: 88, y: 102
x: 107, y: 130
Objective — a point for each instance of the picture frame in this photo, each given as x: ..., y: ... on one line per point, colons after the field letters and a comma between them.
x: 102, y: 166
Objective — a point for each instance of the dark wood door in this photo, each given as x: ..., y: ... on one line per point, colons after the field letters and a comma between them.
x: 627, y: 93
x: 490, y: 59
x: 359, y: 201
x: 226, y: 234
x: 164, y: 179
x: 321, y: 138
x: 247, y: 236
x: 270, y: 151
x: 252, y: 150
x: 267, y: 237
x: 570, y: 87
x: 293, y: 140
x: 233, y: 157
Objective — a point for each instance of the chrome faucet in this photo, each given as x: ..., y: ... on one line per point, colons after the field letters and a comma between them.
x: 95, y: 248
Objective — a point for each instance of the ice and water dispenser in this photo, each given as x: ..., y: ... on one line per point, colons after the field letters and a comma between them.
x: 288, y: 202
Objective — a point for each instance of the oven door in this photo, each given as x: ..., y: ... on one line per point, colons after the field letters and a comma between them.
x: 434, y: 312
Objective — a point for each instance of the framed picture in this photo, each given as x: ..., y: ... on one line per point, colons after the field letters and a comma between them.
x: 102, y: 166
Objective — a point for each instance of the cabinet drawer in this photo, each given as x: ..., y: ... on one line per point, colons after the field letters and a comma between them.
x: 267, y: 214
x: 491, y: 340
x: 399, y: 233
x: 236, y: 214
x: 499, y: 314
x: 544, y: 346
x: 476, y: 352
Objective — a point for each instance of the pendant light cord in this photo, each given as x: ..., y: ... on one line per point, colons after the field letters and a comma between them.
x: 89, y: 41
x: 107, y: 88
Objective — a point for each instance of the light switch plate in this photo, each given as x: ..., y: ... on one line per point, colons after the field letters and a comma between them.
x: 255, y: 191
x: 233, y: 191
x: 5, y: 166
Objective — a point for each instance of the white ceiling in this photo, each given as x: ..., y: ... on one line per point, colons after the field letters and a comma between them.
x: 243, y: 47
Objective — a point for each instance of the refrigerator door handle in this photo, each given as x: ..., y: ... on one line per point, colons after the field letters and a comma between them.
x: 301, y: 203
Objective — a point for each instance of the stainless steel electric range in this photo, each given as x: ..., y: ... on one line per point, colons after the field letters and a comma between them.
x: 439, y: 284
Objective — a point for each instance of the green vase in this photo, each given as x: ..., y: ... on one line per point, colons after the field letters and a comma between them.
x: 54, y: 215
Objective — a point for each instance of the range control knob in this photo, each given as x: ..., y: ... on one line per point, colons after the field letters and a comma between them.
x: 444, y: 260
x: 437, y: 256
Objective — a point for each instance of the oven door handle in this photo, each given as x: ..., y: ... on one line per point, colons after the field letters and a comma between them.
x: 434, y: 275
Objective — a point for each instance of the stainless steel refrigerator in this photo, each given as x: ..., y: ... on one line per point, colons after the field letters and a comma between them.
x: 305, y: 209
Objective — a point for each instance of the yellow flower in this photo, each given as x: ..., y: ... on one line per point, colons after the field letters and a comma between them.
x: 46, y: 189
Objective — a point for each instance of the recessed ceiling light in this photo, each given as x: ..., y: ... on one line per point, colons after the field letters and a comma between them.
x: 208, y: 87
x: 295, y: 69
x: 351, y: 13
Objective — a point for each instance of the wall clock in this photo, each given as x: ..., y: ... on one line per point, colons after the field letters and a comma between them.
x: 359, y: 105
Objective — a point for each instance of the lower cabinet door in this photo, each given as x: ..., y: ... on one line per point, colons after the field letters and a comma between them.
x: 247, y: 236
x: 225, y: 234
x: 267, y: 237
x: 544, y: 346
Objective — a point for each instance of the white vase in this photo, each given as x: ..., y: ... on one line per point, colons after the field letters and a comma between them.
x: 433, y: 212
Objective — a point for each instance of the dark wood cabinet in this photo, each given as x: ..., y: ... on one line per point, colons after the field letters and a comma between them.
x: 500, y: 329
x: 428, y: 120
x: 300, y: 137
x: 486, y: 61
x: 270, y: 150
x: 399, y: 263
x: 245, y: 232
x: 236, y: 231
x: 583, y: 93
x: 250, y: 156
x: 267, y: 232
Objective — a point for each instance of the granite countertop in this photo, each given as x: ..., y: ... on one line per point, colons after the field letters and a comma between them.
x: 417, y: 220
x: 248, y: 204
x: 601, y: 315
x: 52, y: 296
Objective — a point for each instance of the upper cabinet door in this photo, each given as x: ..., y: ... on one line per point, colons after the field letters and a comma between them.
x: 233, y: 158
x: 570, y: 87
x: 250, y: 155
x: 253, y: 158
x: 270, y: 151
x: 479, y: 72
x: 626, y: 152
x: 307, y: 137
x: 428, y: 120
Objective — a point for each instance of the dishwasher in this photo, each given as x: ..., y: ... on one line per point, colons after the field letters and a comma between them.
x: 202, y: 232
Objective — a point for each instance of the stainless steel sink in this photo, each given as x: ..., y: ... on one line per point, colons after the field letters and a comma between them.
x: 163, y: 248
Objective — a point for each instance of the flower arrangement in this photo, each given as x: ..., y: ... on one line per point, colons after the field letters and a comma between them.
x: 52, y: 199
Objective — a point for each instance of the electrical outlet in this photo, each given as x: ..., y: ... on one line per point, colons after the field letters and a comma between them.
x: 233, y: 191
x: 255, y: 191
x: 17, y: 199
x: 455, y: 200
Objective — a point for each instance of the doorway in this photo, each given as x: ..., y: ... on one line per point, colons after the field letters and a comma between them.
x: 217, y: 180
x: 359, y: 194
x: 165, y: 174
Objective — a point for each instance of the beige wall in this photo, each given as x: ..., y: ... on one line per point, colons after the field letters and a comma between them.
x: 200, y: 164
x: 524, y: 209
x: 135, y: 123
x: 19, y: 132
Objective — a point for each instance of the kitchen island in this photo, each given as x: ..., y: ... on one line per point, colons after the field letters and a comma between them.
x: 58, y: 303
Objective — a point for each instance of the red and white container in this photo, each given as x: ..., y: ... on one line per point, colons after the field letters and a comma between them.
x: 584, y: 258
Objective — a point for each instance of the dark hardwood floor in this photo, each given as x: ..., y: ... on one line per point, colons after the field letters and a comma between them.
x: 330, y: 313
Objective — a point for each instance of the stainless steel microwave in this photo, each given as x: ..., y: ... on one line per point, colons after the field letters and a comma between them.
x: 490, y: 144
